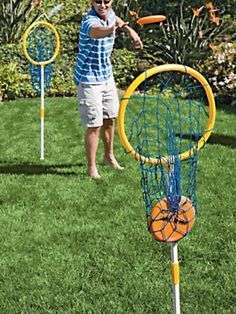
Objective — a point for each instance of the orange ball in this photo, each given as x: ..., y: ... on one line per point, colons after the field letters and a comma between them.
x: 170, y: 225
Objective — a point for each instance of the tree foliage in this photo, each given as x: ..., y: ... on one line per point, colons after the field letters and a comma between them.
x: 184, y: 38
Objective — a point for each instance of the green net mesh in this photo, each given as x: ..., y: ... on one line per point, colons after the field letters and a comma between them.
x: 166, y: 116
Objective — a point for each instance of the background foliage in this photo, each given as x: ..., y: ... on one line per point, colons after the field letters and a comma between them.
x: 183, y: 38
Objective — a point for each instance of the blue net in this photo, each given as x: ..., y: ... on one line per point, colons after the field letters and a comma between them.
x: 35, y: 74
x: 41, y: 43
x: 165, y: 118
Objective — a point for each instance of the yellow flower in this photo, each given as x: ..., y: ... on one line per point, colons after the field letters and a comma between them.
x: 212, y: 46
x: 200, y: 34
x: 197, y: 11
x: 215, y: 20
x: 209, y: 6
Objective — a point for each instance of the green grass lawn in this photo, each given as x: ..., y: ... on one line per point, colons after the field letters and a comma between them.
x: 70, y: 244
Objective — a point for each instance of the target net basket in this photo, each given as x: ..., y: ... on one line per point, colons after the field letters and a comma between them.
x: 165, y: 118
x: 41, y: 47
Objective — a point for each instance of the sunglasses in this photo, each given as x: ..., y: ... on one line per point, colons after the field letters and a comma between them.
x: 106, y: 2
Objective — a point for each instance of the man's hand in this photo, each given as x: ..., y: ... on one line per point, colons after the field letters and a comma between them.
x: 120, y: 24
x: 136, y: 41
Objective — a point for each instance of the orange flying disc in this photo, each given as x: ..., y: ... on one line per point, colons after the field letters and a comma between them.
x: 168, y: 225
x: 151, y: 19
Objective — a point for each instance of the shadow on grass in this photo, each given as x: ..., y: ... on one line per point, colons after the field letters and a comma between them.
x: 224, y: 140
x: 31, y: 169
x: 226, y: 105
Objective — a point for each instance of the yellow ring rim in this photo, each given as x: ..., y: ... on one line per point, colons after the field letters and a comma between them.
x: 124, y: 102
x: 44, y: 23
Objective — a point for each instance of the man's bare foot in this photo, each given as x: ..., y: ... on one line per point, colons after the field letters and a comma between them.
x: 112, y: 162
x: 93, y: 173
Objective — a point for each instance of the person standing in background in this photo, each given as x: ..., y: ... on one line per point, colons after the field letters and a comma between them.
x: 96, y: 90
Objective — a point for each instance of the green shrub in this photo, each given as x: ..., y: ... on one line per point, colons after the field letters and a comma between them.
x: 62, y: 83
x: 126, y: 66
x: 14, y: 80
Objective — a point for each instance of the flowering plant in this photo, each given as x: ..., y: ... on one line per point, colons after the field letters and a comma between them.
x: 220, y: 69
x: 186, y: 40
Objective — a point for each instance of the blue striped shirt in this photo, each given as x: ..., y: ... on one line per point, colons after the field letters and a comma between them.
x: 93, y: 63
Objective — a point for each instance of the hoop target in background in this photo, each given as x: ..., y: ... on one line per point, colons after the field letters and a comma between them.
x: 41, y: 46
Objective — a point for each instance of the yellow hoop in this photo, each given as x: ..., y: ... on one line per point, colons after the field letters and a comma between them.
x: 35, y: 24
x: 141, y: 78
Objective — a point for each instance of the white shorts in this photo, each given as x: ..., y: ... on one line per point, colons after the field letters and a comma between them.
x: 97, y: 102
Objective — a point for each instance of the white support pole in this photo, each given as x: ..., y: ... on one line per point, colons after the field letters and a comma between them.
x: 175, y: 278
x: 42, y: 115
